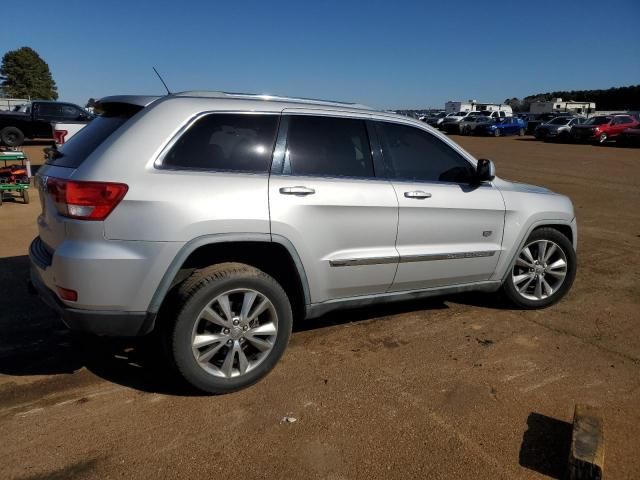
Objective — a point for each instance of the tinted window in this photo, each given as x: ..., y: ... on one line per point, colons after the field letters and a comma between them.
x: 48, y: 109
x: 83, y: 143
x: 328, y: 146
x: 70, y: 112
x: 413, y: 154
x: 235, y: 142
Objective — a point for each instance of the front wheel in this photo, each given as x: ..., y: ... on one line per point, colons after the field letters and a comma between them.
x: 543, y: 270
x: 602, y: 138
x: 521, y: 132
x: 496, y: 132
x: 232, y: 326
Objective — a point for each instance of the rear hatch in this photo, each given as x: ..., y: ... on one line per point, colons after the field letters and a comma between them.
x: 64, y: 161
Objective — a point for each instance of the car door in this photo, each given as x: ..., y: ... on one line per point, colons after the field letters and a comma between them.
x: 326, y: 200
x: 449, y: 231
x: 620, y: 124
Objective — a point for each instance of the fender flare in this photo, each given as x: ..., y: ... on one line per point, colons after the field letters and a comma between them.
x: 192, y: 245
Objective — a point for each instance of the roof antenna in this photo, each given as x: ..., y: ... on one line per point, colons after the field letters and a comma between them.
x: 165, y: 85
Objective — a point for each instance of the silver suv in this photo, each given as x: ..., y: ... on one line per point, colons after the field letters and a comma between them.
x: 216, y: 219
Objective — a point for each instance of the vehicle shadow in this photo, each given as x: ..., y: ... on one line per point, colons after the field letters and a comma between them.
x: 545, y: 445
x: 35, y: 342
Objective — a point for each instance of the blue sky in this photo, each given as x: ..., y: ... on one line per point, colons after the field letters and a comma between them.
x: 388, y: 54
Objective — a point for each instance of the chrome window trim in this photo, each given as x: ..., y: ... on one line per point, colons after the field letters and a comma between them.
x: 430, y: 257
x: 158, y: 163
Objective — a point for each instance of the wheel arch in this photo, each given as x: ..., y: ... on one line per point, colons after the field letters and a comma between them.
x: 566, y: 228
x: 247, y: 248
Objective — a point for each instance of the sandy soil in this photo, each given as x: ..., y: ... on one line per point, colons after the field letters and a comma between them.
x: 460, y: 387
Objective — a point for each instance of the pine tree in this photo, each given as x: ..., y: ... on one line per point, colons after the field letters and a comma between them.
x: 26, y: 75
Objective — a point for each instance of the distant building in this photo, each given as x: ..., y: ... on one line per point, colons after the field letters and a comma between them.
x: 558, y: 105
x: 475, y: 106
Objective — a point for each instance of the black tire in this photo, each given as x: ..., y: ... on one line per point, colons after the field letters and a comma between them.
x: 550, y: 234
x: 12, y: 136
x: 25, y: 196
x: 199, y: 290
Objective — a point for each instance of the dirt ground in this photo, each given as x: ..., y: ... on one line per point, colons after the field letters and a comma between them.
x: 460, y: 387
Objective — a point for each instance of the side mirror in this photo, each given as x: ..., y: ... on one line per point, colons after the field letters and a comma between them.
x: 485, y: 171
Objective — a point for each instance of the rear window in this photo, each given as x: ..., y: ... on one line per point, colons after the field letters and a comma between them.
x: 83, y: 143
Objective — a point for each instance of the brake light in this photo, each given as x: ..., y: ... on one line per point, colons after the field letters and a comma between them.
x: 85, y: 200
x: 59, y: 136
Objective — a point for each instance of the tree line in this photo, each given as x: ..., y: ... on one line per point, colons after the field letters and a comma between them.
x: 615, y: 98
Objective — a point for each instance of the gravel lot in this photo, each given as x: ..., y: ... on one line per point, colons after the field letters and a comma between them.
x: 454, y: 388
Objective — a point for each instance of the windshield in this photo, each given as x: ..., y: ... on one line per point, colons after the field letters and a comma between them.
x: 560, y: 121
x: 598, y: 121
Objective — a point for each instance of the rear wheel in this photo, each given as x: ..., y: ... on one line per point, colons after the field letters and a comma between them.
x: 11, y: 136
x: 496, y: 132
x: 25, y: 196
x: 543, y: 270
x: 521, y: 132
x: 232, y: 326
x: 602, y: 138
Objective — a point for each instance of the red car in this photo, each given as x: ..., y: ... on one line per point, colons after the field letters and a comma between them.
x: 603, y: 128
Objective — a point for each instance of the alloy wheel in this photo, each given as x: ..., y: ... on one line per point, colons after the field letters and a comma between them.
x: 234, y: 333
x: 540, y: 270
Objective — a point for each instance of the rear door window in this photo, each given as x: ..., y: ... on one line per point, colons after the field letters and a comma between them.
x: 328, y: 146
x: 83, y: 143
x: 227, y: 142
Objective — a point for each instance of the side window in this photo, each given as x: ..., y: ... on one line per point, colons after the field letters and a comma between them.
x: 502, y: 114
x: 328, y: 146
x: 48, y: 109
x: 70, y: 112
x: 626, y: 120
x: 414, y: 154
x: 237, y: 142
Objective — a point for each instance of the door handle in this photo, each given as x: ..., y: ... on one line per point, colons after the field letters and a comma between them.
x: 418, y: 194
x: 299, y: 190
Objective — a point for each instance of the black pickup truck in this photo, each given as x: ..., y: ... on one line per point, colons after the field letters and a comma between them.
x: 35, y: 121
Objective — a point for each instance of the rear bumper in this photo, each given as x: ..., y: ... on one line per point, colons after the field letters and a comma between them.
x: 99, y: 322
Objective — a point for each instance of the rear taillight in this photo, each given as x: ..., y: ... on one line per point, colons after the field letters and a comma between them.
x: 85, y: 200
x: 59, y: 136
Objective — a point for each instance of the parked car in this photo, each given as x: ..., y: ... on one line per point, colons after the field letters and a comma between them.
x: 507, y: 126
x: 538, y: 119
x: 468, y: 125
x: 219, y: 218
x: 451, y: 123
x: 435, y: 119
x: 630, y: 137
x: 558, y: 128
x: 436, y: 122
x: 35, y: 122
x: 602, y: 128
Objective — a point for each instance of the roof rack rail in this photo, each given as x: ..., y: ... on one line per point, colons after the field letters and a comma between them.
x: 267, y: 97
